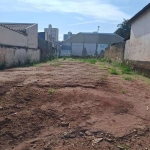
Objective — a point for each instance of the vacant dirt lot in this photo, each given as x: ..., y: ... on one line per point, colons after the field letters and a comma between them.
x: 72, y: 105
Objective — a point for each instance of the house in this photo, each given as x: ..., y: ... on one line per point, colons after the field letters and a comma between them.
x: 89, y: 44
x: 67, y: 36
x: 50, y: 34
x: 137, y: 50
x: 19, y: 34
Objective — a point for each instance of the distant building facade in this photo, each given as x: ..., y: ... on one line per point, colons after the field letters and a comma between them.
x: 89, y: 44
x: 67, y: 36
x: 50, y: 34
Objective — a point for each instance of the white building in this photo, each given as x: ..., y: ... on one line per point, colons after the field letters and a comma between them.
x: 51, y: 34
x: 89, y: 44
x: 138, y: 47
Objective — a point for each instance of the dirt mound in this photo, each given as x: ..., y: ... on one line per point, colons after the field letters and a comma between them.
x: 52, y: 107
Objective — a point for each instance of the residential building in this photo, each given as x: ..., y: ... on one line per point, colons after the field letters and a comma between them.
x: 138, y: 47
x: 89, y: 44
x: 50, y: 34
x: 67, y: 36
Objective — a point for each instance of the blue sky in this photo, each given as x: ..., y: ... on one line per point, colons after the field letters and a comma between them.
x: 71, y: 15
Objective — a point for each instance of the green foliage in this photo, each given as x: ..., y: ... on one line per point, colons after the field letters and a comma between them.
x: 128, y: 78
x: 125, y: 69
x: 123, y: 29
x: 51, y: 91
x: 113, y: 71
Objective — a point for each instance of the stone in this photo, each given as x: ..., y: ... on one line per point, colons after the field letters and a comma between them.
x: 128, y: 144
x: 64, y: 124
x: 141, y: 133
x: 81, y: 134
x: 88, y: 133
x: 120, y: 147
x: 109, y: 140
x: 97, y: 140
x: 1, y: 107
x: 71, y: 136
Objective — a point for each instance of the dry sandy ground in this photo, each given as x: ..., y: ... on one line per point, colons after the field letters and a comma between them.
x: 89, y: 109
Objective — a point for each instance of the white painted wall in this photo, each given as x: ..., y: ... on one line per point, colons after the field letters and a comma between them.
x: 12, y: 56
x: 32, y: 36
x: 77, y: 49
x: 140, y: 39
x: 90, y: 48
x: 10, y: 37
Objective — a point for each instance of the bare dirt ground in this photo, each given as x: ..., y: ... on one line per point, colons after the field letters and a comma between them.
x: 72, y: 105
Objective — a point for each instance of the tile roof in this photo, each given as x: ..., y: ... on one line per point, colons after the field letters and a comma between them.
x: 18, y: 27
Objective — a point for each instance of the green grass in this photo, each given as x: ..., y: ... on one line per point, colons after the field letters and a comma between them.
x: 125, y: 69
x: 51, y: 91
x: 113, y: 71
x: 92, y: 60
x: 128, y: 78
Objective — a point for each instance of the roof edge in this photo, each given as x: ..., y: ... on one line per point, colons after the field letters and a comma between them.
x: 12, y: 29
x: 72, y: 37
x: 139, y: 14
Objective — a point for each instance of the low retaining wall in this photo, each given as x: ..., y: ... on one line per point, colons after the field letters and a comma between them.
x: 140, y: 66
x: 11, y: 56
x: 115, y: 52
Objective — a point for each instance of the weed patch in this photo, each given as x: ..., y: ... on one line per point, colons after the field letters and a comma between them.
x: 113, y: 71
x: 128, y: 78
x: 123, y: 91
x: 51, y: 91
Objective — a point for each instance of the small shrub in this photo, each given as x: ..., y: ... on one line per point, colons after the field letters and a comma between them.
x: 113, y: 71
x: 51, y: 91
x: 123, y: 91
x: 128, y: 78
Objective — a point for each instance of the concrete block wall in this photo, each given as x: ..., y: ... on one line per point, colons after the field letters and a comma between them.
x: 115, y: 52
x: 11, y: 56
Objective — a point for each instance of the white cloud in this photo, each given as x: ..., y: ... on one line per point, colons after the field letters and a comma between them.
x: 79, y: 18
x: 81, y: 23
x: 98, y: 9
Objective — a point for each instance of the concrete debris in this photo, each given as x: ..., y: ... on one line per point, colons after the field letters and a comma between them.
x: 97, y: 140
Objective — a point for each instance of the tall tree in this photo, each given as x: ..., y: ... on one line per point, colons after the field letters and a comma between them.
x: 123, y: 29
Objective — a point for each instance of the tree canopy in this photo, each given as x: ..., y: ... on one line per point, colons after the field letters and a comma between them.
x: 123, y: 29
